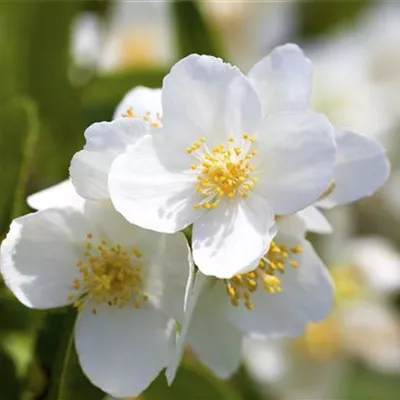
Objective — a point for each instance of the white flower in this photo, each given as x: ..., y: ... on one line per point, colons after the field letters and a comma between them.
x: 138, y: 110
x: 218, y: 164
x: 284, y: 81
x: 127, y: 283
x: 289, y: 288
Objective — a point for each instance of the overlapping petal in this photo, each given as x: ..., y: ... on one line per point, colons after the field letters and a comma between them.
x: 153, y: 186
x: 104, y: 142
x: 295, y: 161
x: 230, y: 238
x: 283, y: 79
x: 205, y: 97
x: 140, y: 102
x: 361, y: 168
x: 61, y: 195
x: 307, y: 296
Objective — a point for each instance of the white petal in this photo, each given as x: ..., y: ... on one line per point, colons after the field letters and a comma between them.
x: 361, y: 168
x: 291, y: 225
x: 122, y: 350
x: 104, y: 142
x: 201, y: 283
x: 166, y: 259
x: 39, y: 254
x: 152, y: 186
x: 283, y: 79
x: 315, y: 220
x: 216, y: 342
x: 230, y: 238
x: 307, y: 296
x: 61, y: 195
x: 140, y: 100
x: 296, y: 159
x: 204, y: 97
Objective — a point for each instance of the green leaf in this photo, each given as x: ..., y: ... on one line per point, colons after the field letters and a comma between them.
x: 192, y: 382
x: 9, y: 384
x: 58, y: 359
x: 193, y: 34
x: 360, y: 383
x: 18, y: 135
x: 320, y: 17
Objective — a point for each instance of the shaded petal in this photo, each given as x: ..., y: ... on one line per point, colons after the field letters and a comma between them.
x: 283, y: 79
x: 315, y: 220
x: 123, y: 350
x: 307, y: 296
x: 230, y: 238
x: 140, y: 100
x: 296, y: 160
x: 194, y: 292
x: 361, y: 168
x: 205, y: 97
x: 61, y: 195
x: 216, y: 342
x: 104, y: 142
x: 152, y: 186
x: 39, y: 254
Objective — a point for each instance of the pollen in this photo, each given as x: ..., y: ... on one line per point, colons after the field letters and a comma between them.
x: 153, y: 120
x: 224, y: 171
x: 108, y: 274
x: 265, y: 277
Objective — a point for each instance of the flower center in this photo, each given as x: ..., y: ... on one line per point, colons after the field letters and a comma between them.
x: 154, y: 121
x: 224, y: 171
x: 109, y: 274
x: 241, y: 287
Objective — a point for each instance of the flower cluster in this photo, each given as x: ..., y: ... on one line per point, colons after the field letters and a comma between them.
x: 240, y: 165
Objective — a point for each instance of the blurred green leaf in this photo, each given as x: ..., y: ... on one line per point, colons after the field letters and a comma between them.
x: 193, y: 34
x: 48, y: 83
x: 57, y: 357
x: 9, y: 384
x: 361, y: 383
x: 18, y: 136
x: 101, y: 96
x: 319, y: 17
x: 192, y: 382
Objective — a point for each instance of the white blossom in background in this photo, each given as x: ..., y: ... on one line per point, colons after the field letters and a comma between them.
x: 219, y: 163
x: 127, y: 284
x: 289, y: 289
x: 250, y: 29
x: 139, y: 109
x: 140, y: 35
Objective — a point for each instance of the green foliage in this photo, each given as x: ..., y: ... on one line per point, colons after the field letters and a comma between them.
x: 319, y: 17
x: 192, y: 382
x: 18, y: 136
x: 56, y: 357
x: 361, y: 383
x: 193, y: 34
x: 9, y: 383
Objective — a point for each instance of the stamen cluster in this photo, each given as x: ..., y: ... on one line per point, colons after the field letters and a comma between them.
x: 224, y: 172
x: 242, y: 286
x: 109, y: 274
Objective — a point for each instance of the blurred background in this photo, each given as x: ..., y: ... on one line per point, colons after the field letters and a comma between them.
x: 66, y: 64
